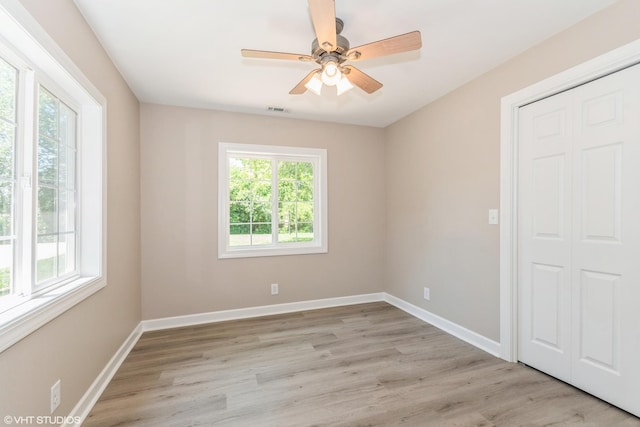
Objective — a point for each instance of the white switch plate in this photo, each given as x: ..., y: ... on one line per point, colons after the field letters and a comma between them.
x: 274, y: 289
x: 493, y: 216
x: 55, y: 396
x: 427, y: 294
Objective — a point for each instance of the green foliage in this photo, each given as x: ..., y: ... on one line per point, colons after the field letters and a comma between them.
x: 8, y: 88
x: 5, y: 281
x: 250, y: 205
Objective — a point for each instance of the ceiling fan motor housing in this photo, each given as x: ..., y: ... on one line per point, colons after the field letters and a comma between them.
x: 343, y: 45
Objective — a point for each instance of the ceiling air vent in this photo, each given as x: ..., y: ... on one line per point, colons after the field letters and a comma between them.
x: 277, y: 109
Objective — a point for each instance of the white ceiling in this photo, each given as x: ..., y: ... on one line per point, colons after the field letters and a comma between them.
x: 187, y: 52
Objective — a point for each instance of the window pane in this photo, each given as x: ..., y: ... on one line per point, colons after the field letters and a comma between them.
x: 239, y: 169
x: 304, y: 232
x: 304, y: 212
x: 46, y: 258
x: 67, y: 127
x: 6, y: 209
x: 287, y: 191
x: 56, y: 183
x: 47, y: 160
x: 250, y: 191
x: 47, y: 115
x: 261, y: 212
x: 66, y: 254
x: 295, y: 222
x: 305, y: 191
x: 66, y: 211
x: 260, y: 169
x: 287, y: 170
x: 8, y: 91
x: 66, y: 167
x: 239, y: 212
x: 261, y: 191
x: 6, y: 266
x: 261, y: 234
x: 7, y: 144
x: 240, y: 235
x: 287, y: 213
x: 8, y: 87
x: 47, y: 211
x: 239, y: 190
x: 305, y: 171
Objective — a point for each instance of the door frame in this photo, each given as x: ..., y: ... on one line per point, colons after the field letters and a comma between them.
x: 600, y: 66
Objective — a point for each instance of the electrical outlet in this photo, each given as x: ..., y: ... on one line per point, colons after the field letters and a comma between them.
x: 427, y: 294
x: 274, y: 289
x: 55, y: 396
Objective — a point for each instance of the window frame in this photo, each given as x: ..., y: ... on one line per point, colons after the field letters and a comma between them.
x: 316, y: 156
x: 40, y: 61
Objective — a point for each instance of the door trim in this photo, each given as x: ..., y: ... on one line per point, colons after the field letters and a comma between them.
x: 600, y: 66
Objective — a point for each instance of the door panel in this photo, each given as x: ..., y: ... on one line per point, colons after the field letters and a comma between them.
x: 599, y: 329
x: 546, y: 291
x: 548, y: 196
x: 601, y: 193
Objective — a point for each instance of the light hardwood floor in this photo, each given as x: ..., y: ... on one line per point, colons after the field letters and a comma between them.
x: 360, y: 365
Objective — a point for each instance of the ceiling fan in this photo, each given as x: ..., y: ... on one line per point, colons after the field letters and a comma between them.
x: 330, y: 50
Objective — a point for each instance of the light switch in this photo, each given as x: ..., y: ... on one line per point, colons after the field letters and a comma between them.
x: 493, y: 216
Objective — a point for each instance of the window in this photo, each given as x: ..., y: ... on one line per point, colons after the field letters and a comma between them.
x: 272, y: 200
x: 51, y: 181
x: 56, y: 196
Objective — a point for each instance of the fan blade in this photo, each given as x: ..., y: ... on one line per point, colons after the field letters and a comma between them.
x: 323, y: 15
x: 267, y: 54
x: 360, y: 79
x: 390, y: 46
x: 300, y: 87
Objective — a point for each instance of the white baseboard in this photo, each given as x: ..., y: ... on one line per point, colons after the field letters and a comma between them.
x: 473, y: 338
x: 85, y: 404
x: 265, y: 310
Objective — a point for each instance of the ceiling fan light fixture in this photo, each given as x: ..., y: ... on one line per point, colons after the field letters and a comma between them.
x: 315, y: 84
x: 331, y: 74
x: 344, y: 85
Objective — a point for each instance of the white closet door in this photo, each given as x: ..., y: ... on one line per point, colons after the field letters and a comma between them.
x: 545, y: 169
x: 579, y: 237
x: 606, y: 250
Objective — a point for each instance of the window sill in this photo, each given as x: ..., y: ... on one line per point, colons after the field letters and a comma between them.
x: 22, y: 320
x: 251, y: 252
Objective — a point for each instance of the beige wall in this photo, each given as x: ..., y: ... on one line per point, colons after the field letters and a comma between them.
x: 76, y: 346
x: 434, y: 174
x: 180, y: 270
x: 443, y: 175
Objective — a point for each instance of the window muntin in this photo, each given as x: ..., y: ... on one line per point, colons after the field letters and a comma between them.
x: 272, y: 200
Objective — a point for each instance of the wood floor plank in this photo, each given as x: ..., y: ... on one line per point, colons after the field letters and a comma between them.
x: 361, y: 365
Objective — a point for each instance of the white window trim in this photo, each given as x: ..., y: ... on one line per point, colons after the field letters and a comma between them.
x: 20, y: 30
x: 318, y: 156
